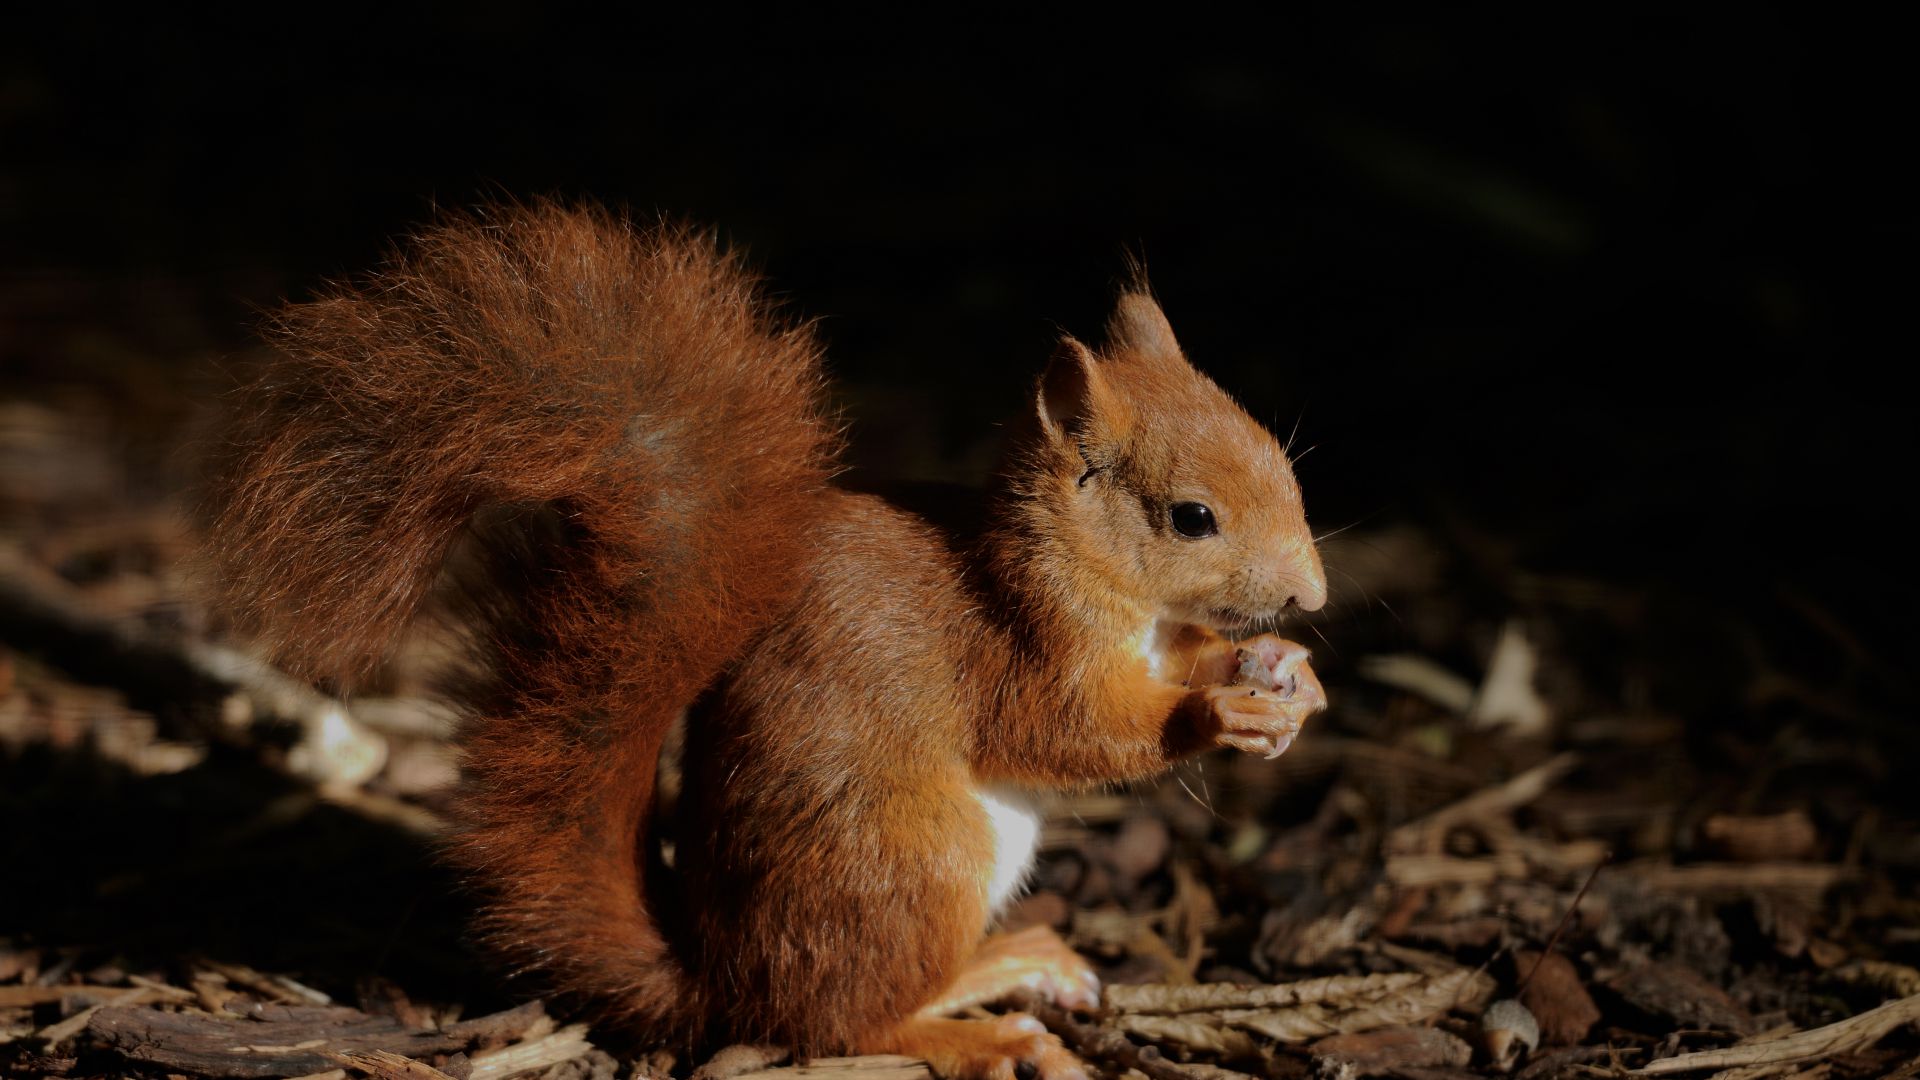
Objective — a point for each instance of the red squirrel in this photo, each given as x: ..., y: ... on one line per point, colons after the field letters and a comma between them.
x: 640, y: 448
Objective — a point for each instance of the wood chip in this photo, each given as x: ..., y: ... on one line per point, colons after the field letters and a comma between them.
x: 1215, y: 997
x: 13, y: 997
x: 1788, y: 837
x: 527, y: 1021
x: 732, y: 1061
x: 58, y: 1034
x: 868, y: 1067
x: 277, y: 987
x: 386, y: 1065
x: 564, y: 1045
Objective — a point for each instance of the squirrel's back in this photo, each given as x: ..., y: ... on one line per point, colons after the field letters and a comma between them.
x: 629, y: 389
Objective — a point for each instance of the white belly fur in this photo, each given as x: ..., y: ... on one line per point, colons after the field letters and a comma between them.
x: 1014, y: 817
x: 1151, y: 645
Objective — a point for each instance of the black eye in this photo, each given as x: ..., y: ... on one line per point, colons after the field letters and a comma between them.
x: 1193, y: 520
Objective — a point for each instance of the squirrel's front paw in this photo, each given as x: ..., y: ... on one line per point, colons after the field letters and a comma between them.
x: 1275, y: 691
x: 1271, y: 662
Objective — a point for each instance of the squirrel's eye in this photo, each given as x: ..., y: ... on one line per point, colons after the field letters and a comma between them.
x: 1193, y: 520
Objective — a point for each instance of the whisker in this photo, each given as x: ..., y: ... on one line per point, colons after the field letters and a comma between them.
x: 1323, y: 537
x: 1182, y: 781
x: 1323, y: 638
x: 1303, y: 453
x: 1372, y: 598
x: 1358, y: 586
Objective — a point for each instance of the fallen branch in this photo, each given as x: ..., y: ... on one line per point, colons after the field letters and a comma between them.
x: 1104, y: 1044
x: 1215, y: 997
x: 1738, y: 880
x: 1466, y: 988
x: 1845, y: 1036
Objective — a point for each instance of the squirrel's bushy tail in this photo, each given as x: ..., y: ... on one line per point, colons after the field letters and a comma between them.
x: 629, y: 388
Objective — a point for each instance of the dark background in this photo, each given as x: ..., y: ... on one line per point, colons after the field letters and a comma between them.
x: 1617, y: 299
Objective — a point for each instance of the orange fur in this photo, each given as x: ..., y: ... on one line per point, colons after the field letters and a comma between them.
x: 640, y: 452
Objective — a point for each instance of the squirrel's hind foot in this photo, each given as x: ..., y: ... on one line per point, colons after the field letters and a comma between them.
x: 1032, y: 959
x: 1010, y: 1047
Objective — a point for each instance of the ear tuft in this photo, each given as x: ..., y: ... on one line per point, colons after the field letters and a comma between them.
x: 1066, y: 398
x: 1138, y: 325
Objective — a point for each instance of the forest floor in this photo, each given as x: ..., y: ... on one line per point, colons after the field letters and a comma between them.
x: 1549, y: 827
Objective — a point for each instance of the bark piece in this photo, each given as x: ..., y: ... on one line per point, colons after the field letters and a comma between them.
x: 1373, y: 1053
x: 296, y: 1040
x: 1679, y: 995
x: 283, y: 1041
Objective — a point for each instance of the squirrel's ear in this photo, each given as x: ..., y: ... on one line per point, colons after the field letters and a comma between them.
x: 1138, y: 325
x: 1068, y: 390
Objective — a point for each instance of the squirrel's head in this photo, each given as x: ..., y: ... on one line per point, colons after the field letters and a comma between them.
x: 1159, y: 481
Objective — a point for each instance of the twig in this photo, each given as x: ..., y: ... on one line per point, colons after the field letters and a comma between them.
x: 1490, y: 802
x: 1561, y: 927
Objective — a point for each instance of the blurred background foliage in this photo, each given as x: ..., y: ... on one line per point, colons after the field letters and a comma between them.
x: 1605, y: 297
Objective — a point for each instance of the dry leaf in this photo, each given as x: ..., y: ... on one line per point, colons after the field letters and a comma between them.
x: 1507, y: 698
x: 1556, y: 997
x: 1422, y: 677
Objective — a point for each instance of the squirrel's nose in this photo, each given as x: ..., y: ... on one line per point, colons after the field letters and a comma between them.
x: 1308, y: 580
